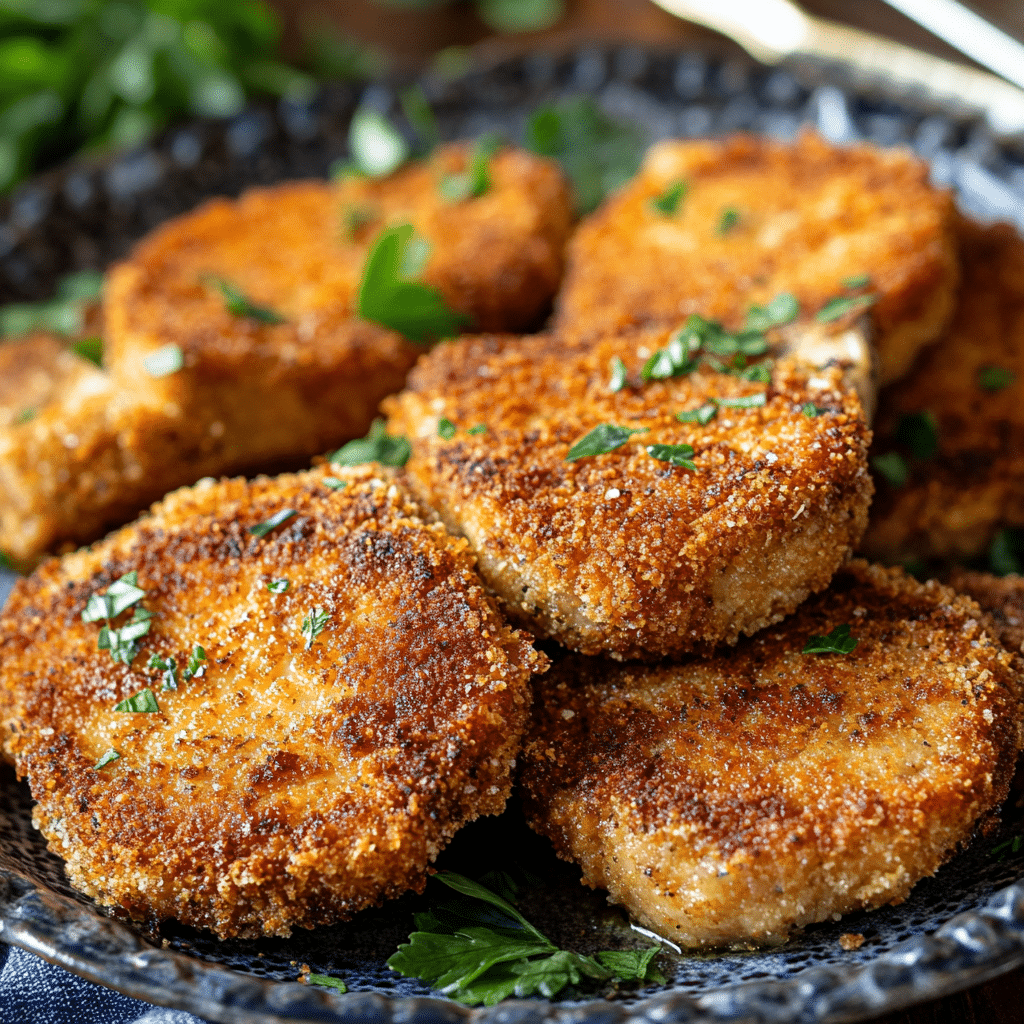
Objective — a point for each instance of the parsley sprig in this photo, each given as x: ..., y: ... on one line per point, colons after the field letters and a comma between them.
x: 377, y: 446
x: 838, y: 641
x: 123, y: 594
x: 313, y: 624
x: 604, y: 438
x: 480, y: 954
x: 238, y: 304
x: 667, y: 203
x: 168, y: 668
x: 476, y: 179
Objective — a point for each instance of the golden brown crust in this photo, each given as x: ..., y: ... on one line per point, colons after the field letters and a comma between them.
x: 735, y: 799
x: 1001, y: 596
x: 621, y: 552
x: 955, y: 502
x: 285, y: 787
x: 810, y: 215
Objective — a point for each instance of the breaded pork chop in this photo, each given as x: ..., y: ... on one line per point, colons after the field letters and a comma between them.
x: 356, y: 699
x: 1001, y: 596
x: 312, y: 377
x: 969, y: 482
x: 628, y: 552
x: 735, y: 799
x: 755, y: 218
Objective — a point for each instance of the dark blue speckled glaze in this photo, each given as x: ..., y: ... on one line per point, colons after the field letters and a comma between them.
x: 957, y: 929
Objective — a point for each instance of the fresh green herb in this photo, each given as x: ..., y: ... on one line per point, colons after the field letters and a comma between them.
x: 279, y: 586
x: 838, y: 641
x: 602, y: 439
x: 332, y: 483
x: 65, y: 312
x: 810, y: 410
x: 108, y: 758
x: 782, y: 310
x: 313, y: 624
x: 1006, y: 553
x: 420, y: 115
x: 730, y: 218
x: 514, y: 16
x: 598, y: 153
x: 618, y: 381
x: 327, y: 981
x: 375, y: 146
x: 89, y: 348
x: 742, y: 402
x: 168, y: 668
x: 195, y: 666
x: 892, y: 467
x: 860, y: 281
x: 354, y: 218
x: 238, y: 304
x: 837, y: 308
x: 377, y: 446
x: 121, y: 595
x: 919, y: 432
x: 124, y: 643
x: 476, y: 179
x: 680, y: 455
x: 24, y: 416
x: 386, y: 297
x: 445, y: 428
x: 667, y: 204
x: 994, y: 378
x: 144, y: 702
x: 480, y: 428
x: 483, y: 954
x: 703, y: 414
x: 262, y: 529
x: 1009, y: 846
x: 164, y: 361
x: 759, y: 373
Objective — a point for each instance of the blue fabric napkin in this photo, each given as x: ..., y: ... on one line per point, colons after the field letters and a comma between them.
x: 35, y: 992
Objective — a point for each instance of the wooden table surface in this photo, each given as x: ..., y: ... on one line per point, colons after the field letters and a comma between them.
x: 412, y: 37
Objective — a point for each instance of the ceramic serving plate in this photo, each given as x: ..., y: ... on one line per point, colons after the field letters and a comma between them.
x: 957, y: 929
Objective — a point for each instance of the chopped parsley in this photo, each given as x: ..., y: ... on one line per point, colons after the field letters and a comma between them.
x: 445, y: 428
x: 108, y: 758
x: 729, y: 219
x: 144, y: 702
x: 313, y: 624
x: 602, y: 439
x: 420, y: 115
x: 238, y: 304
x: 332, y: 483
x: 782, y: 310
x: 121, y: 595
x: 476, y: 179
x: 262, y: 529
x: 480, y: 428
x: 920, y: 433
x: 838, y: 641
x: 63, y: 314
x: 859, y: 281
x: 994, y: 378
x: 164, y: 361
x: 892, y: 467
x: 375, y: 146
x: 810, y: 410
x: 279, y: 586
x: 703, y: 414
x: 89, y: 348
x: 482, y: 950
x: 124, y: 593
x: 680, y: 455
x: 667, y: 204
x: 377, y: 446
x: 25, y: 416
x: 1005, y: 553
x: 618, y: 381
x: 168, y: 668
x: 1009, y: 846
x: 326, y: 981
x: 124, y: 643
x: 743, y: 401
x: 843, y: 305
x: 388, y: 297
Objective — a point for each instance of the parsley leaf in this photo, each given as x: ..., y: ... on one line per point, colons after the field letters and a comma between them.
x: 375, y: 146
x: 420, y: 115
x: 920, y: 433
x: 667, y: 204
x: 810, y: 410
x: 680, y: 455
x: 89, y: 348
x: 730, y: 218
x: 480, y: 428
x: 332, y: 483
x: 858, y: 281
x: 313, y: 624
x: 838, y: 641
x: 120, y: 596
x: 377, y: 446
x: 281, y: 586
x: 1009, y: 846
x: 892, y: 467
x: 602, y: 439
x: 782, y: 310
x: 108, y: 758
x: 164, y: 361
x: 743, y: 401
x: 168, y: 668
x: 618, y: 381
x: 124, y: 643
x: 195, y: 666
x: 238, y: 304
x: 994, y: 378
x: 262, y: 529
x: 387, y: 297
x: 445, y: 428
x: 632, y: 964
x: 476, y: 179
x: 144, y: 702
x: 837, y: 308
x: 327, y: 981
x: 703, y: 414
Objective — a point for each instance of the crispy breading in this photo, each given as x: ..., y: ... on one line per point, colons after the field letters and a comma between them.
x: 298, y: 778
x: 736, y: 799
x: 623, y: 553
x: 808, y: 218
x: 1001, y: 596
x: 954, y: 503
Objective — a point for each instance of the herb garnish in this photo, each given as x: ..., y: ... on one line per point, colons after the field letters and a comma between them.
x: 279, y: 586
x: 618, y: 381
x: 143, y: 702
x: 994, y: 378
x: 445, y: 428
x: 893, y: 467
x: 25, y: 416
x: 1008, y: 846
x: 476, y: 179
x: 375, y: 145
x: 63, y: 314
x: 676, y: 454
x: 332, y: 483
x: 838, y: 641
x: 420, y: 115
x: 482, y: 954
x: 377, y: 446
x: 108, y: 758
x: 89, y: 348
x: 703, y: 414
x: 859, y: 281
x: 262, y: 529
x: 480, y: 428
x: 326, y: 980
x: 122, y: 594
x: 743, y: 401
x: 238, y: 304
x: 313, y: 624
x: 387, y: 296
x: 602, y: 439
x: 810, y: 410
x: 920, y: 433
x: 782, y: 310
x: 730, y: 218
x: 668, y: 202
x: 837, y: 308
x: 169, y: 668
x: 164, y: 361
x: 124, y: 643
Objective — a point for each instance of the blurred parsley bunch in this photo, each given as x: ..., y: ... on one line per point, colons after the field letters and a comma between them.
x: 505, y: 15
x: 93, y: 73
